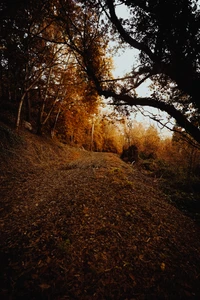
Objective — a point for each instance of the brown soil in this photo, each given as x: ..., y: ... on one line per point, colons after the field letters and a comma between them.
x: 82, y: 225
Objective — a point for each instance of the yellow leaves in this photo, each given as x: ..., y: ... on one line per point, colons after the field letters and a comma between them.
x: 85, y: 211
x: 162, y: 266
x: 128, y: 214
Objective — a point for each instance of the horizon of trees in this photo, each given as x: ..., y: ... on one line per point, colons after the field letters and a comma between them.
x: 55, y: 63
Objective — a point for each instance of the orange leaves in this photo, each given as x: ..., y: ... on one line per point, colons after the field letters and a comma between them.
x: 86, y: 211
x: 162, y: 266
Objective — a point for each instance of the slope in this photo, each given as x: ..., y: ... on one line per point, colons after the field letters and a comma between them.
x: 83, y: 225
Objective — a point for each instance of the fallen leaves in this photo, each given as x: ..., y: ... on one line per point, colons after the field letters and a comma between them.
x: 44, y: 286
x: 95, y: 229
x: 162, y: 266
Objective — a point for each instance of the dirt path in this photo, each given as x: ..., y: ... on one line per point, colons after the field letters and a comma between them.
x: 94, y: 228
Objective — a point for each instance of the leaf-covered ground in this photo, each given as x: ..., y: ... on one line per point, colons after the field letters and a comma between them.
x: 81, y: 225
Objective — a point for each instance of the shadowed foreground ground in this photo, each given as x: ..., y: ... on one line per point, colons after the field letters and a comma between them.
x: 80, y: 225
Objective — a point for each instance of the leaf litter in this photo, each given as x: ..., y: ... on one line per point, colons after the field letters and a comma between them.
x: 83, y: 225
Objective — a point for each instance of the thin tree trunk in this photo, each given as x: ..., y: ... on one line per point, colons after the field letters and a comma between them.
x: 22, y: 100
x: 19, y: 111
x: 45, y: 97
x: 92, y: 136
x: 54, y: 125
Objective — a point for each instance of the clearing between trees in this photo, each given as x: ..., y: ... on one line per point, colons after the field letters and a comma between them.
x: 84, y: 225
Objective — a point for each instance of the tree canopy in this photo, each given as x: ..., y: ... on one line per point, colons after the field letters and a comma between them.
x: 41, y: 64
x: 167, y: 36
x: 40, y: 42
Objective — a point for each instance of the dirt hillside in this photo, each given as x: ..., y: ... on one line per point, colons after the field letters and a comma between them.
x: 83, y: 225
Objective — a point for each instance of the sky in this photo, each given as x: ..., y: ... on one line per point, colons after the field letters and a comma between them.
x: 123, y: 62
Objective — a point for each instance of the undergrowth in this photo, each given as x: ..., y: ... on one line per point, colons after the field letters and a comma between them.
x: 9, y: 138
x: 182, y: 189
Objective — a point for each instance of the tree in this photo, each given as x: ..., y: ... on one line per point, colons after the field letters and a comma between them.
x: 24, y: 55
x: 107, y: 135
x: 151, y: 142
x: 169, y: 55
x: 37, y: 66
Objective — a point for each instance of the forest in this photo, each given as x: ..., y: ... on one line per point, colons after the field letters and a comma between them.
x: 56, y: 63
x: 81, y: 178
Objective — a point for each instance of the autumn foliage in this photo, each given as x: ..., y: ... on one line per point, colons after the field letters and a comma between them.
x: 55, y: 64
x: 173, y: 161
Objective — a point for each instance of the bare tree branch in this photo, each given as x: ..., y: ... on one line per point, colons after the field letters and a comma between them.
x: 121, y: 99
